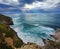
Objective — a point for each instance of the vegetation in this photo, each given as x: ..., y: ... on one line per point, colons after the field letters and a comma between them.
x: 5, y: 46
x: 9, y: 33
x: 5, y: 29
x: 18, y: 43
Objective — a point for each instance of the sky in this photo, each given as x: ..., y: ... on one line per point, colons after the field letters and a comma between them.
x: 29, y: 6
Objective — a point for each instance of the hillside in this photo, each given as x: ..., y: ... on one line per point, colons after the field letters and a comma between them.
x: 8, y: 36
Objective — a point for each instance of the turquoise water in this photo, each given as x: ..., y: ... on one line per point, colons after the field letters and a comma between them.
x: 34, y: 27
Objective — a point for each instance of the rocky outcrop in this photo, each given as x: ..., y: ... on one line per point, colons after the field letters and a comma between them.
x: 30, y: 46
x: 5, y: 20
x: 57, y: 35
x: 49, y: 44
x: 8, y: 37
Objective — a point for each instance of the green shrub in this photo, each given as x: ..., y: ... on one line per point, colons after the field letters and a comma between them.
x: 11, y: 33
x: 18, y: 43
x: 5, y: 29
x: 4, y: 46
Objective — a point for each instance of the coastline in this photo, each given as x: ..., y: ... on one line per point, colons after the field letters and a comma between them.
x: 10, y: 37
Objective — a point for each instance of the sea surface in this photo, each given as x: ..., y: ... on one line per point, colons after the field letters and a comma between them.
x: 33, y: 27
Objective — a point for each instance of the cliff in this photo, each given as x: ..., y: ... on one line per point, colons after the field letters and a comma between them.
x: 5, y: 20
x: 57, y: 35
x: 31, y: 46
x: 49, y: 44
x: 8, y: 37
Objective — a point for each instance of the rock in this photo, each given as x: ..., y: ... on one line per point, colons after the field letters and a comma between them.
x: 56, y: 36
x: 5, y: 20
x: 53, y: 44
x: 49, y: 44
x: 8, y: 36
x: 30, y: 46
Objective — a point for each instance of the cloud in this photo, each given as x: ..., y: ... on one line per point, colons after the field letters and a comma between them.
x: 10, y: 2
x: 28, y: 6
x: 46, y: 4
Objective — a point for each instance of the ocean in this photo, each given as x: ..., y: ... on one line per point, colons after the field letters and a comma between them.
x: 33, y: 27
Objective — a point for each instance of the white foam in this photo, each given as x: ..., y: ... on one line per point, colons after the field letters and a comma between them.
x: 28, y: 38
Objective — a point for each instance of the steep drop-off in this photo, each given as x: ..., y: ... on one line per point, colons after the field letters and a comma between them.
x: 8, y: 36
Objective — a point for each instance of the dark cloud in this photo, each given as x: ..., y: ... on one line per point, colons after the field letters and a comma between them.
x: 9, y: 9
x: 5, y: 6
x: 17, y: 8
x: 41, y: 0
x: 27, y: 1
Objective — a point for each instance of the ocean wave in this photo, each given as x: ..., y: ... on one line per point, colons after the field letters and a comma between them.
x: 31, y: 33
x: 32, y: 30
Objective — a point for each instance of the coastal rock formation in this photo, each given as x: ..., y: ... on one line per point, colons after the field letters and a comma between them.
x: 49, y: 44
x: 8, y: 37
x: 57, y: 35
x: 30, y: 46
x: 5, y: 20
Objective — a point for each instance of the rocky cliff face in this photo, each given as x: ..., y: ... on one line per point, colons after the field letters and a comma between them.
x: 5, y: 20
x: 49, y: 44
x: 8, y: 36
x: 31, y: 46
x: 57, y: 35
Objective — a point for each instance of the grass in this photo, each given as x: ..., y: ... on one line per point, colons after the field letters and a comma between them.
x: 10, y: 33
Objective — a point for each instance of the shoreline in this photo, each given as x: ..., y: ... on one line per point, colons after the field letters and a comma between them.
x: 11, y: 38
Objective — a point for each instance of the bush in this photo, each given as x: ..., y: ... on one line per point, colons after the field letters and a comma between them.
x: 18, y: 43
x: 4, y: 46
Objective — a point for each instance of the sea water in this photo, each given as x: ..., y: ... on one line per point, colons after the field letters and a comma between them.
x: 35, y: 27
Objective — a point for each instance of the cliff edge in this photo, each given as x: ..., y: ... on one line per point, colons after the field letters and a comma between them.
x: 8, y: 37
x: 5, y: 20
